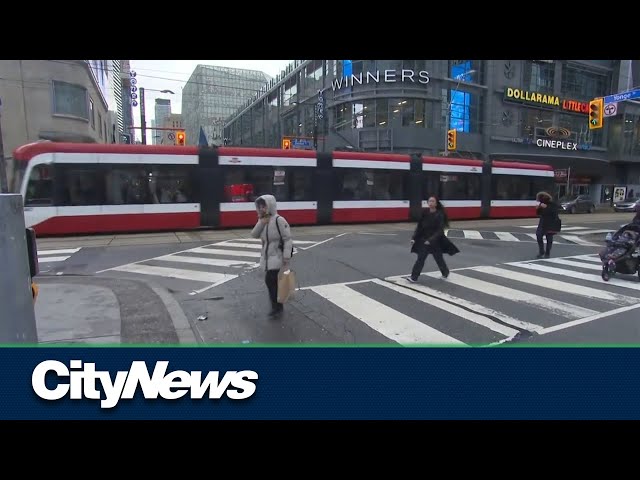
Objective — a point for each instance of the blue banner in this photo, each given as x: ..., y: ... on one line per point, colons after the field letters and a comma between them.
x: 321, y: 383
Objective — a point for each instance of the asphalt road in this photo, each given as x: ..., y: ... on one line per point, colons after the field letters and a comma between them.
x: 352, y: 289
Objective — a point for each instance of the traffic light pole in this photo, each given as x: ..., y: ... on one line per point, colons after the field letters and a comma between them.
x: 143, y: 118
x: 4, y: 184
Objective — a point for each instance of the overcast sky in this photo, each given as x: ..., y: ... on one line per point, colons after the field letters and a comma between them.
x: 173, y: 74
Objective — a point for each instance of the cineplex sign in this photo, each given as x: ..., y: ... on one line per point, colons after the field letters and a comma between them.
x: 545, y: 100
x: 385, y: 76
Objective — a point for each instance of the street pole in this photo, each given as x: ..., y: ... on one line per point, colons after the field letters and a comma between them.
x: 4, y: 185
x: 17, y: 313
x: 446, y: 129
x: 143, y: 120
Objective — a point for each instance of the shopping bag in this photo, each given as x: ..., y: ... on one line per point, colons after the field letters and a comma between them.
x: 286, y: 285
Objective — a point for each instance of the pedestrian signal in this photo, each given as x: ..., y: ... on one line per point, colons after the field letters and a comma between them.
x: 286, y: 144
x: 452, y: 139
x: 180, y: 139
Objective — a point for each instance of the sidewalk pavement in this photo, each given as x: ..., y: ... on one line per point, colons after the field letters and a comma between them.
x: 209, y: 235
x: 108, y: 311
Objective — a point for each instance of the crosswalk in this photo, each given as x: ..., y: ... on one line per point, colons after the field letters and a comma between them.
x: 575, y: 230
x: 480, y: 305
x: 201, y: 268
x: 573, y: 238
x: 53, y: 256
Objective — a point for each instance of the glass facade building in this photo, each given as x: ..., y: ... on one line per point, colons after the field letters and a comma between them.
x: 212, y: 94
x: 524, y: 110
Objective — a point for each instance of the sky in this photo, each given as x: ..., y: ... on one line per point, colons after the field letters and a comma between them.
x: 173, y: 74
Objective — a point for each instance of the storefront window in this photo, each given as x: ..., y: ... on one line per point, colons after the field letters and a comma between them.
x: 538, y: 75
x: 532, y: 121
x: 584, y: 85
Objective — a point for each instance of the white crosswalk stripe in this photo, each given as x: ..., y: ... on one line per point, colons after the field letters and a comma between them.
x: 481, y: 305
x: 202, y: 267
x: 571, y: 239
x: 59, y: 255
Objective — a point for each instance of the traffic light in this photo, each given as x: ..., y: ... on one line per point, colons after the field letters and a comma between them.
x: 452, y: 139
x: 286, y: 144
x: 180, y: 139
x: 596, y: 113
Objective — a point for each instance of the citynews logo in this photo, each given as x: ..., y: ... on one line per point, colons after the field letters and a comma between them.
x: 83, y: 381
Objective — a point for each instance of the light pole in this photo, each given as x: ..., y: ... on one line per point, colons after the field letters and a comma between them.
x: 143, y: 119
x: 448, y: 110
x: 4, y: 185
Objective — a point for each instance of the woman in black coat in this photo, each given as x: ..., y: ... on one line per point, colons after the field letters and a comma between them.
x: 429, y: 237
x: 549, y: 223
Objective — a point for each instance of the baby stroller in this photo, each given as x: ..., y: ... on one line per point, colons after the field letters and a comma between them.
x: 622, y: 253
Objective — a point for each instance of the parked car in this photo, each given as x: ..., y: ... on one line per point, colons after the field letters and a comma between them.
x: 577, y: 204
x: 628, y: 205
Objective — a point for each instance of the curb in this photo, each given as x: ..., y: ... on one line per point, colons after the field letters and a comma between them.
x: 185, y: 330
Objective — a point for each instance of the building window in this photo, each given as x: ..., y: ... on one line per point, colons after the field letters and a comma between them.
x: 92, y: 114
x: 69, y: 99
x: 538, y: 76
x: 99, y: 125
x: 358, y: 184
x: 533, y: 122
x: 464, y: 108
x: 580, y: 84
x: 579, y: 128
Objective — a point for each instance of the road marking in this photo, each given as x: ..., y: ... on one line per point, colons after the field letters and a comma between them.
x: 383, y: 319
x: 557, y: 285
x: 324, y: 241
x: 51, y: 259
x: 58, y: 252
x: 581, y: 321
x: 447, y: 307
x: 553, y: 306
x: 233, y: 243
x: 507, y: 237
x: 571, y: 263
x: 578, y: 275
x: 219, y: 262
x: 473, y: 234
x: 209, y: 277
x: 532, y: 327
x: 579, y: 241
x: 218, y: 251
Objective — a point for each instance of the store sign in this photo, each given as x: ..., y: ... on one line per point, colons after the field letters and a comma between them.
x: 557, y: 144
x: 524, y: 96
x: 386, y: 76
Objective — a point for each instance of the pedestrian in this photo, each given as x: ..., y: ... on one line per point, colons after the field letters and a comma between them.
x: 636, y: 218
x: 277, y: 245
x: 429, y: 238
x: 549, y: 223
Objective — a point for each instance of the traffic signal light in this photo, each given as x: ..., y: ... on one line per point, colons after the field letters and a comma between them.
x: 180, y: 139
x: 286, y: 144
x: 596, y: 113
x: 452, y: 139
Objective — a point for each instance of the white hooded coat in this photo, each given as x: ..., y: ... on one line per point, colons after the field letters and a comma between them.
x: 272, y: 255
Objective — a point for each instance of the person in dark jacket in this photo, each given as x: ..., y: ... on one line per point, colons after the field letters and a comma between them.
x: 549, y: 223
x: 636, y: 219
x: 429, y: 238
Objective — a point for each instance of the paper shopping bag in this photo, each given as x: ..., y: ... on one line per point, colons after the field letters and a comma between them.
x: 286, y: 285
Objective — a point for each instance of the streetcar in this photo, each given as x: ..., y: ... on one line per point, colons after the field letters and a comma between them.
x: 81, y: 188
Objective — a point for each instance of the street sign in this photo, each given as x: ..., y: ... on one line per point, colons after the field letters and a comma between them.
x: 610, y: 109
x: 621, y: 97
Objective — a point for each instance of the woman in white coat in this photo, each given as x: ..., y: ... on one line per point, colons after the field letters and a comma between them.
x: 277, y: 245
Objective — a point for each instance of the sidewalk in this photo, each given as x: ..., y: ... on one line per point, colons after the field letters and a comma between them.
x: 107, y: 311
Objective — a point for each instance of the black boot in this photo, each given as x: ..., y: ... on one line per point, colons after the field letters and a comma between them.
x: 276, y: 308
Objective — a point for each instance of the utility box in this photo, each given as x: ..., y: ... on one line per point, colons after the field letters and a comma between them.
x: 17, y: 314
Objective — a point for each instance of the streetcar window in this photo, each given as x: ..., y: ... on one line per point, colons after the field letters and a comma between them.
x: 149, y: 184
x: 519, y: 187
x: 452, y: 185
x: 371, y: 184
x: 40, y: 186
x: 82, y: 185
x: 287, y: 184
